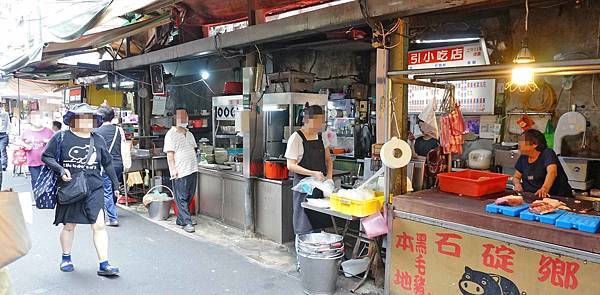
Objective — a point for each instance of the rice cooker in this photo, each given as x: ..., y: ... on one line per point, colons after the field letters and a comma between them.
x: 480, y: 159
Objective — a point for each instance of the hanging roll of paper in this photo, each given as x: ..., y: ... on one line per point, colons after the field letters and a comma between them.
x: 390, y: 158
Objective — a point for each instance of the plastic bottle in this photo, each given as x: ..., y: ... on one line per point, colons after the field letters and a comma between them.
x: 549, y: 134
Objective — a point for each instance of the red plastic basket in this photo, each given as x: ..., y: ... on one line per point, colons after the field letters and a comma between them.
x: 472, y: 183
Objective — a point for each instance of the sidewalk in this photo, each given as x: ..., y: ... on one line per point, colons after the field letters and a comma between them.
x: 225, y: 247
x: 262, y: 252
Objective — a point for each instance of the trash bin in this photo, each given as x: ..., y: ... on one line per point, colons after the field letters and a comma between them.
x: 319, y: 256
x: 159, y: 205
x: 159, y: 210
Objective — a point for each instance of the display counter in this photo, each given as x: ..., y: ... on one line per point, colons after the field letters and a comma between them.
x: 441, y: 242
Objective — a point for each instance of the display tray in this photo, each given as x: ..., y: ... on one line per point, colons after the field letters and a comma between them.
x: 549, y: 218
x: 470, y: 211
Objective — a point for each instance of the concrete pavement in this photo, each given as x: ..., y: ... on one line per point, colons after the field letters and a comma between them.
x: 153, y: 260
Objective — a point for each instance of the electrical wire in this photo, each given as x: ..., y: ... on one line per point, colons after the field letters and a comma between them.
x: 597, y: 55
x: 259, y: 55
x: 314, y: 62
x: 547, y: 97
x: 526, y: 15
x: 379, y: 31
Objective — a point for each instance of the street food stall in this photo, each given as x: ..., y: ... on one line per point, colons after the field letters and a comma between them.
x: 222, y: 183
x: 441, y: 241
x: 471, y: 234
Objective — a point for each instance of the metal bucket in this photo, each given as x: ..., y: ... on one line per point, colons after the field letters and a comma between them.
x: 319, y: 256
x: 159, y: 210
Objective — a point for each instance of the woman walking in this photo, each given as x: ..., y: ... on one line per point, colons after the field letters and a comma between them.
x: 33, y: 142
x: 81, y: 154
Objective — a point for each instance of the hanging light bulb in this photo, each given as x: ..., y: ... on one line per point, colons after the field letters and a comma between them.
x: 204, y: 75
x: 523, y: 77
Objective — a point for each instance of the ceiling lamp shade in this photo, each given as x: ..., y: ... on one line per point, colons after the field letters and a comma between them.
x: 524, y: 55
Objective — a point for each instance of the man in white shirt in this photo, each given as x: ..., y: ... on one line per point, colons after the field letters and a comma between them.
x: 180, y: 146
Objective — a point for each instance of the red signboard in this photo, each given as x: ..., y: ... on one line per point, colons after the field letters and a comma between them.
x: 436, y: 55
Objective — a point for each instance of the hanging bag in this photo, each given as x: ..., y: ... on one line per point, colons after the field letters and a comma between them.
x: 125, y: 150
x: 76, y: 190
x: 44, y: 189
x: 14, y: 238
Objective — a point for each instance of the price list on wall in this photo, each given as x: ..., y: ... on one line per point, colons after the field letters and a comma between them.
x: 474, y: 96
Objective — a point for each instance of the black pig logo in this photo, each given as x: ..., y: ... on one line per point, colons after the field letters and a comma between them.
x: 479, y: 283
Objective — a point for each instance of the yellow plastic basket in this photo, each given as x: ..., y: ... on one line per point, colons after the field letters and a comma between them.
x: 357, y: 208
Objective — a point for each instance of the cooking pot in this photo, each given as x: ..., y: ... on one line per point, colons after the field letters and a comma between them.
x: 276, y: 168
x: 480, y: 159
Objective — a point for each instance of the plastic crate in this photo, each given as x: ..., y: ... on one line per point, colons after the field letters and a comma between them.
x: 549, y: 218
x: 358, y: 208
x: 472, y: 183
x: 586, y: 223
x: 513, y: 211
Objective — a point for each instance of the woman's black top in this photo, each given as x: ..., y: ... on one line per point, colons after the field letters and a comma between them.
x: 535, y: 173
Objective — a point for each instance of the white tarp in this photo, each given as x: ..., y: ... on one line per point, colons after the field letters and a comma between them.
x: 28, y: 25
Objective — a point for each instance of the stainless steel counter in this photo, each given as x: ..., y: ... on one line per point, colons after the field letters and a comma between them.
x: 221, y: 196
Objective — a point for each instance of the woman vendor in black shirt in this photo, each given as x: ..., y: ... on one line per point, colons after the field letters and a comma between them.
x: 423, y: 144
x: 538, y: 168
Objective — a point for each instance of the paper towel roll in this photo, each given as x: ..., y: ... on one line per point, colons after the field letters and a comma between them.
x: 388, y: 150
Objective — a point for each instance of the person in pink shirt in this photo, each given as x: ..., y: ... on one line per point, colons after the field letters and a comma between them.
x: 33, y: 141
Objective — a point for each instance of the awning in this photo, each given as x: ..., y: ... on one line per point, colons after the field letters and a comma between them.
x: 47, y: 57
x: 15, y: 88
x: 103, y: 38
x: 96, y: 18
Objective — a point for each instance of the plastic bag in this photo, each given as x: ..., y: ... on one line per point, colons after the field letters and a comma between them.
x: 308, y: 184
x: 361, y: 194
x: 14, y: 238
x: 156, y: 197
x: 5, y: 283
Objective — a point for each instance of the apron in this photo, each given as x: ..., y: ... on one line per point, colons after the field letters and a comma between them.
x: 305, y: 221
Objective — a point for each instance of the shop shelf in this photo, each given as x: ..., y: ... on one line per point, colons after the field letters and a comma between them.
x: 358, y: 208
x: 472, y: 183
x: 513, y: 211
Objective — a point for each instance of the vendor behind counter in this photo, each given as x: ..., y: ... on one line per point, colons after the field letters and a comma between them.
x: 308, y: 156
x: 538, y: 168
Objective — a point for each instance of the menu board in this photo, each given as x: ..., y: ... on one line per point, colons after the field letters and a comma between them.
x: 474, y: 96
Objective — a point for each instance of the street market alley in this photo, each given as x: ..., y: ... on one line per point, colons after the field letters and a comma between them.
x: 153, y: 260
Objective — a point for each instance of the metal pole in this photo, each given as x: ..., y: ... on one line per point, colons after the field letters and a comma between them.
x: 395, y: 180
x: 250, y: 90
x: 18, y: 107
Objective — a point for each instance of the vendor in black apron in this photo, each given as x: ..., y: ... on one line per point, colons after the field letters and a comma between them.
x: 538, y: 169
x: 307, y: 155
